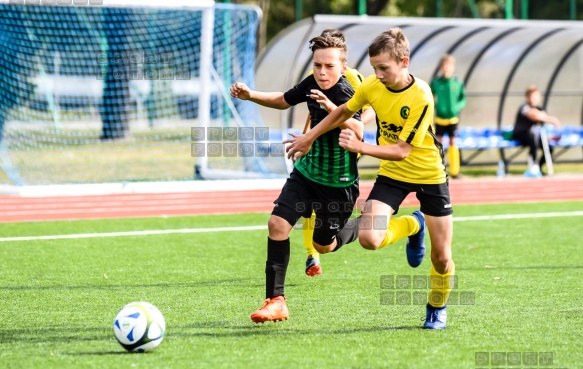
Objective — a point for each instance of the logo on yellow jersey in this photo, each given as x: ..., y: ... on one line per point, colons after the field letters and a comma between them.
x: 390, y: 131
x: 405, y: 112
x: 391, y: 127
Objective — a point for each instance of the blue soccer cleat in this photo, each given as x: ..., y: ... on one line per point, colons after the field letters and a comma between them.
x: 435, y: 318
x: 416, y: 246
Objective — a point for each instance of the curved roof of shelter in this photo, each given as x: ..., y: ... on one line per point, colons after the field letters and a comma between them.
x: 497, y: 60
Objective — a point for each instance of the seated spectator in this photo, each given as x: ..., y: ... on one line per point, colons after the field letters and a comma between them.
x: 530, y: 115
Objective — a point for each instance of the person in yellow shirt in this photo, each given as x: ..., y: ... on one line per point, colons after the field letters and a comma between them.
x: 411, y: 161
x: 313, y: 264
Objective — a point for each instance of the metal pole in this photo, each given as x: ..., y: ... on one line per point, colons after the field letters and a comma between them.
x: 524, y: 9
x: 361, y: 7
x: 299, y: 10
x: 226, y: 61
x: 57, y: 107
x: 474, y: 8
x: 573, y: 10
x: 206, y: 57
x: 546, y: 150
x: 439, y: 8
x: 509, y: 9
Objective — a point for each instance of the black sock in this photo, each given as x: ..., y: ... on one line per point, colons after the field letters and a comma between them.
x: 276, y: 267
x: 347, y: 234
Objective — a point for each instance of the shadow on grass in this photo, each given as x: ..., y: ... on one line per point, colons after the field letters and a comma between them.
x: 533, y: 267
x: 278, y: 328
x: 64, y: 335
x: 126, y: 286
x: 225, y: 329
x: 54, y: 334
x: 103, y: 353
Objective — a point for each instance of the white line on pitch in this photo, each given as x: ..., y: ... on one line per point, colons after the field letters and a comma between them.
x: 134, y: 233
x: 519, y: 216
x: 263, y: 227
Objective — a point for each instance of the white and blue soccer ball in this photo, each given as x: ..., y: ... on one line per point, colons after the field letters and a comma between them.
x: 139, y: 327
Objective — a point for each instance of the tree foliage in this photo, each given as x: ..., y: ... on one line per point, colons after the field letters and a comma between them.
x: 281, y: 13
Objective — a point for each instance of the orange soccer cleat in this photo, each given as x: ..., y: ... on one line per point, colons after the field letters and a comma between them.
x: 313, y: 266
x: 272, y: 310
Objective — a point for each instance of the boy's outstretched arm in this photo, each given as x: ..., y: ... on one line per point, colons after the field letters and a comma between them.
x: 273, y: 100
x: 301, y: 144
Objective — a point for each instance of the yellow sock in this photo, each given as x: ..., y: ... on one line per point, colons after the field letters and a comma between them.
x: 441, y: 286
x: 308, y: 229
x: 453, y: 156
x: 400, y: 227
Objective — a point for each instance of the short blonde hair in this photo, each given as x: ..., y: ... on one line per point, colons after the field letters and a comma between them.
x: 392, y: 42
x: 447, y: 58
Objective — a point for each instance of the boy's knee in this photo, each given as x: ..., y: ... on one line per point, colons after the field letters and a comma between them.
x: 323, y: 249
x: 369, y: 241
x: 440, y: 262
x: 277, y: 228
x: 274, y: 223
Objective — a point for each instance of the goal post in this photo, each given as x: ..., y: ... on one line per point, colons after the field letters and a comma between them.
x: 99, y: 91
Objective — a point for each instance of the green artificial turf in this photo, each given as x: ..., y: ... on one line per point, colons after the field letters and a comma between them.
x: 519, y: 291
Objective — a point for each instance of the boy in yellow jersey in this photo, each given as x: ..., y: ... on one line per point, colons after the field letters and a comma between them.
x: 313, y: 266
x: 411, y: 161
x: 450, y: 99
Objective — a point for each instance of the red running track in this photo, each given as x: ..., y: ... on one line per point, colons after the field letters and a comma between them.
x: 465, y: 191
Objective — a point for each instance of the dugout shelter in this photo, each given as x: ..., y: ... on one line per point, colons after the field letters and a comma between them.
x: 496, y: 59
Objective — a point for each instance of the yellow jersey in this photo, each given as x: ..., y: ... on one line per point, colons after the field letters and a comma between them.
x: 405, y: 115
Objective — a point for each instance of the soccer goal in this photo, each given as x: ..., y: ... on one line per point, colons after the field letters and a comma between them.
x: 100, y: 91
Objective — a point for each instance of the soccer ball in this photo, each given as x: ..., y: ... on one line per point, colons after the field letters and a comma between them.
x: 139, y: 327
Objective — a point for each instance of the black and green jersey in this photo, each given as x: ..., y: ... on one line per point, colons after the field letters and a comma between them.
x: 326, y: 163
x: 450, y: 97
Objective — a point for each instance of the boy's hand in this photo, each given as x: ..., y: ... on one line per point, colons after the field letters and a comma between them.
x: 241, y: 91
x: 299, y: 146
x: 322, y: 100
x: 349, y: 141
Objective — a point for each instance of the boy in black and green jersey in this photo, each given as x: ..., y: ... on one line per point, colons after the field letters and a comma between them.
x: 313, y: 266
x: 324, y: 181
x: 450, y: 99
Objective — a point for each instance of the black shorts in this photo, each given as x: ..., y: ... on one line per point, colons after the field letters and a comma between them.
x: 451, y: 130
x: 332, y: 205
x: 434, y: 198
